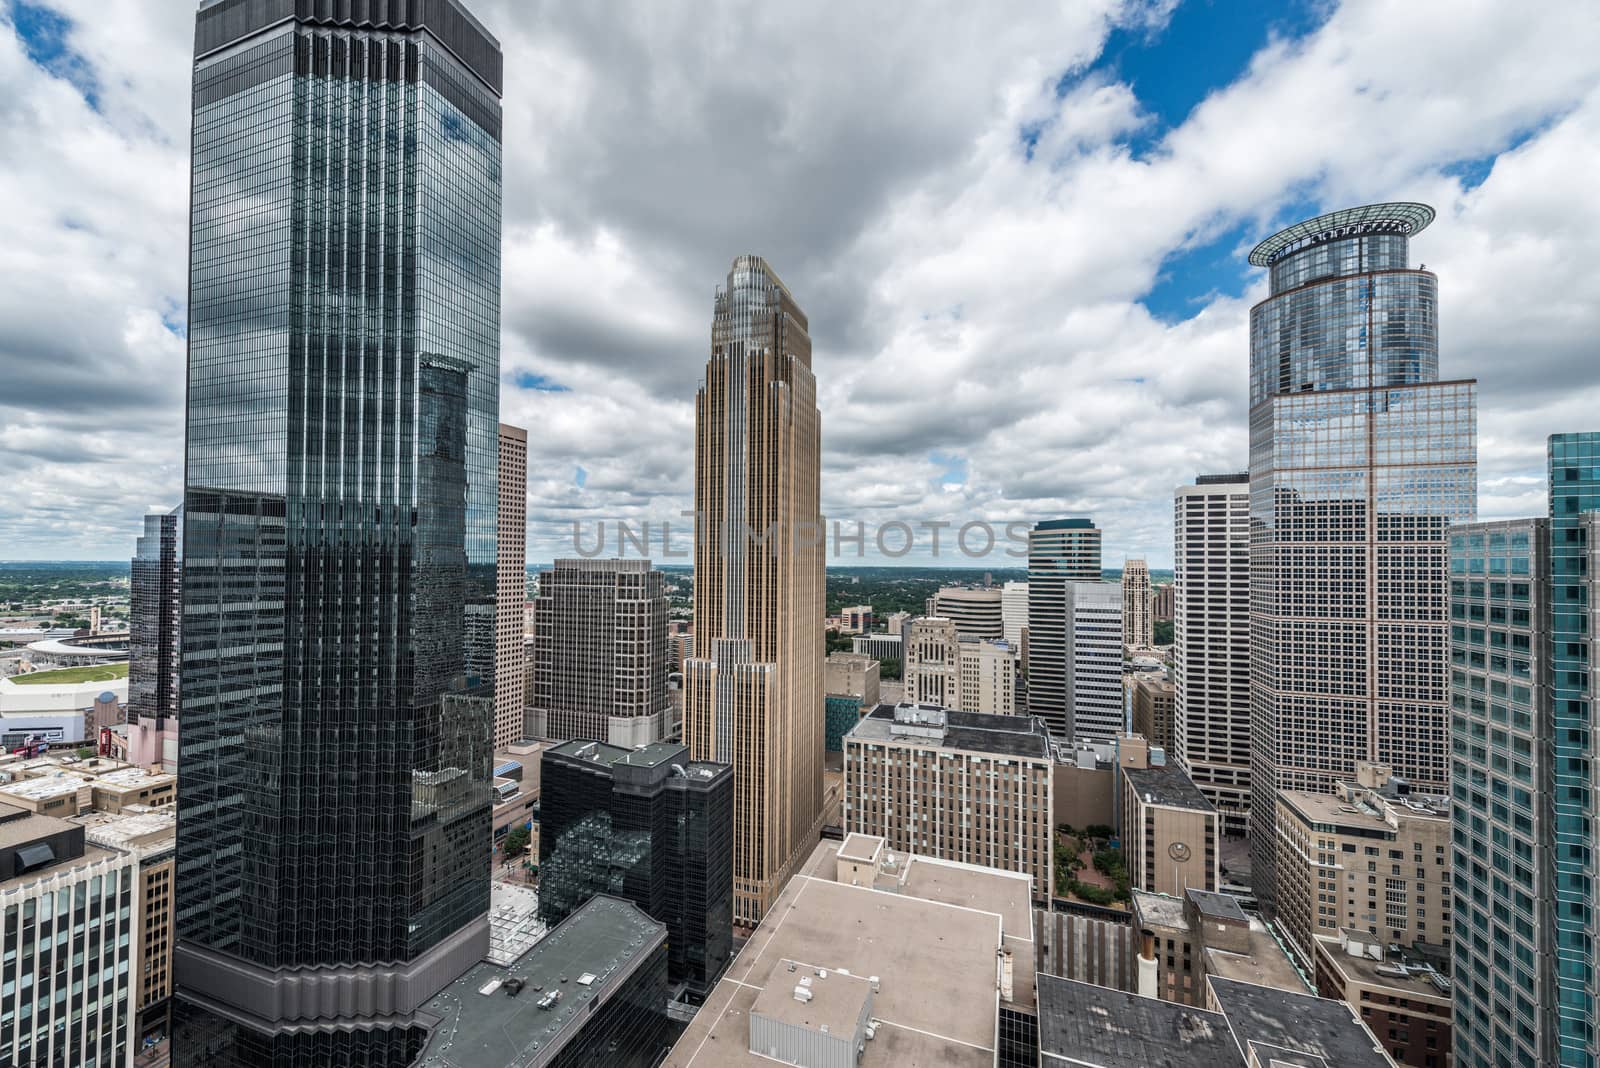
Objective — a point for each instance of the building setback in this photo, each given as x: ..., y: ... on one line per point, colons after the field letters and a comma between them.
x: 649, y: 825
x: 340, y: 512
x: 955, y: 785
x: 753, y: 691
x: 1360, y: 460
x: 600, y: 655
x: 511, y: 584
x: 1211, y: 641
x: 1060, y: 551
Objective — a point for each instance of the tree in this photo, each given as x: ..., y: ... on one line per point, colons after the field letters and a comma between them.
x: 516, y: 841
x: 889, y: 669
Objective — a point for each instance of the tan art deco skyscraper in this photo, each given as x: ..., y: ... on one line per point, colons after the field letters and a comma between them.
x: 753, y: 694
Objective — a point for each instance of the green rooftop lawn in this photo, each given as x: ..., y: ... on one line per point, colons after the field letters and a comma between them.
x: 98, y: 673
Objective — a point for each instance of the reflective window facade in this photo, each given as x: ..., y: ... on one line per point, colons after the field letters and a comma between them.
x: 1360, y: 460
x: 155, y: 588
x: 647, y: 825
x: 1499, y: 780
x: 1060, y: 551
x: 340, y: 520
x: 1574, y: 596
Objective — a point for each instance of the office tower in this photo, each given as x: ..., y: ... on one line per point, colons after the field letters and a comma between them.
x: 600, y: 653
x: 1093, y: 665
x: 956, y: 785
x: 155, y: 588
x: 975, y: 612
x: 947, y: 668
x: 753, y: 690
x: 339, y: 528
x: 1060, y: 551
x: 1168, y: 829
x: 1371, y: 857
x: 1211, y: 641
x: 1163, y: 599
x: 1360, y: 460
x: 69, y: 940
x: 511, y: 582
x: 652, y: 826
x: 931, y: 670
x: 149, y: 835
x: 1013, y: 613
x: 155, y: 625
x: 1522, y: 670
x: 1151, y: 712
x: 1138, y: 631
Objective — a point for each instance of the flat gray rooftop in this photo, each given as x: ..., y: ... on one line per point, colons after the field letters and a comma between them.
x: 1302, y: 1023
x: 1166, y: 784
x: 1094, y: 1025
x: 977, y: 732
x: 498, y: 1030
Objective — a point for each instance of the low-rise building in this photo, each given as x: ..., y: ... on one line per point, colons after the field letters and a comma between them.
x: 879, y: 647
x: 1168, y: 827
x: 1370, y: 857
x: 875, y: 959
x: 957, y: 785
x: 1185, y: 939
x: 1241, y: 1024
x: 516, y: 789
x: 1402, y: 996
x: 591, y: 992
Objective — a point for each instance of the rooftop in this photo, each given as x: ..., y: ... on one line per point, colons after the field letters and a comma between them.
x: 978, y: 732
x: 1303, y: 1023
x: 861, y: 847
x: 1065, y: 524
x: 1104, y: 1028
x: 134, y: 829
x: 1166, y: 784
x: 44, y: 786
x: 935, y: 961
x: 1405, y: 973
x: 483, y: 1025
x: 1402, y: 217
x: 835, y: 1004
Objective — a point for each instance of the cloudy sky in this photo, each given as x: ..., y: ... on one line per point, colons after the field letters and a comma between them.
x: 1018, y: 229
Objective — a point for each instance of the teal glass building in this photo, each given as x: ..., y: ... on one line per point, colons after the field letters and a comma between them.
x: 1522, y: 679
x: 339, y: 533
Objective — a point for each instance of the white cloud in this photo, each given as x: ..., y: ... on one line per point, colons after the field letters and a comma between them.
x: 964, y: 300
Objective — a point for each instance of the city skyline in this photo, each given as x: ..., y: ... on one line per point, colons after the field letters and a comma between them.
x: 605, y: 285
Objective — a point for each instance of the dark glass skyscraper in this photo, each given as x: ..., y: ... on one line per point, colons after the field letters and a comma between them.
x: 155, y: 589
x: 1360, y: 459
x: 649, y: 825
x: 339, y: 526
